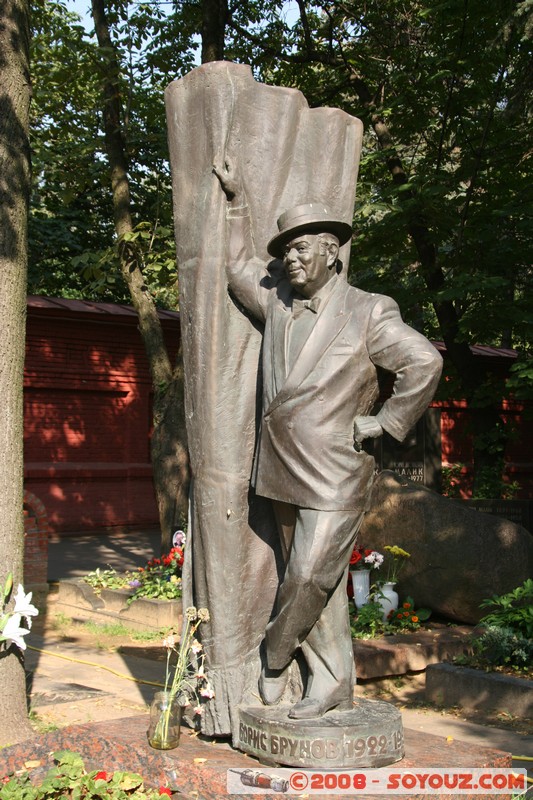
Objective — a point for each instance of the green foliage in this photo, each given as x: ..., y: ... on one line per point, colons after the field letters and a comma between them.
x: 69, y: 778
x: 107, y: 579
x: 72, y: 234
x: 490, y: 484
x: 367, y: 621
x: 503, y: 647
x: 445, y: 205
x: 100, y: 272
x: 451, y: 480
x: 158, y: 585
x: 159, y: 579
x: 513, y: 611
x: 406, y: 618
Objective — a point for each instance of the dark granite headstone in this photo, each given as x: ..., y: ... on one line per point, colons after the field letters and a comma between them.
x: 459, y: 557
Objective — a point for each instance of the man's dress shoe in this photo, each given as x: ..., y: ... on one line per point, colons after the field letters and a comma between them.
x: 272, y: 683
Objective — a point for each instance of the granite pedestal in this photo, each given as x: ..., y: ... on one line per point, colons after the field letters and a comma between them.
x: 197, y: 769
x: 369, y: 735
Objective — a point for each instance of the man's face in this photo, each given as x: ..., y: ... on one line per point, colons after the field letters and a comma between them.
x: 308, y: 263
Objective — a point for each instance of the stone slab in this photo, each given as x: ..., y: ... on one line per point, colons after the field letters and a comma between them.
x: 412, y: 652
x: 450, y: 685
x: 198, y: 767
x: 79, y: 601
x: 369, y: 735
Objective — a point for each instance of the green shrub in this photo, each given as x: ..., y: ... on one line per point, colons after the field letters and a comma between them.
x: 503, y: 647
x: 107, y: 579
x: 513, y: 610
x: 368, y: 623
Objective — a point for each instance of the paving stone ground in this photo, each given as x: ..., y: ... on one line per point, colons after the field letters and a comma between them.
x: 74, y: 681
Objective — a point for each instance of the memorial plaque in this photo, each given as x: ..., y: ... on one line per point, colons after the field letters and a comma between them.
x: 517, y: 511
x: 418, y: 458
x: 369, y: 735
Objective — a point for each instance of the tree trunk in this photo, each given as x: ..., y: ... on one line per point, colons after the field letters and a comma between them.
x: 170, y: 458
x: 15, y: 94
x: 214, y: 18
x: 168, y: 450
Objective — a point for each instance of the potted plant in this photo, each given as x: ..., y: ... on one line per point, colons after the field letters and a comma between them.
x: 362, y: 561
x: 387, y: 595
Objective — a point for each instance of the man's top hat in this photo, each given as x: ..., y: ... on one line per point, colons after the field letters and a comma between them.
x: 307, y: 218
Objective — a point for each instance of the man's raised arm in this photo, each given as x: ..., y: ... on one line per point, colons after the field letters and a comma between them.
x: 247, y: 275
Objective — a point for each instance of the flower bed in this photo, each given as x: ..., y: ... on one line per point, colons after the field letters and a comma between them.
x: 69, y: 778
x: 77, y: 600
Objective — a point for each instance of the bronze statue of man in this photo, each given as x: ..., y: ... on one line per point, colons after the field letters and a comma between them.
x: 323, y: 341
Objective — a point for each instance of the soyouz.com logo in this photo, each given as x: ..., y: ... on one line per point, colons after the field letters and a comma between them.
x: 377, y: 781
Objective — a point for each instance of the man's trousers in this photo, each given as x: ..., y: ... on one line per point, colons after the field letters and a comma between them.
x: 312, y: 603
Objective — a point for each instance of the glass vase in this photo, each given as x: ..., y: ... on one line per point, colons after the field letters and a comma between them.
x: 388, y: 600
x: 165, y: 721
x: 361, y: 586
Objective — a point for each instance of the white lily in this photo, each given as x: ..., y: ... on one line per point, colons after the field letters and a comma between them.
x: 12, y: 632
x: 23, y: 605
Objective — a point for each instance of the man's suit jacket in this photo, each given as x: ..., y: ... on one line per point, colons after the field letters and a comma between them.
x: 305, y: 453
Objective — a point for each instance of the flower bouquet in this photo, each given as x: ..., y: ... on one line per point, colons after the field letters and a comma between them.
x: 159, y: 579
x: 361, y: 562
x: 396, y: 563
x: 11, y: 629
x: 185, y: 680
x: 407, y: 617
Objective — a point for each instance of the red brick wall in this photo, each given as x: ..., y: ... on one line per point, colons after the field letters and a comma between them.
x: 87, y: 414
x: 35, y: 542
x: 457, y: 445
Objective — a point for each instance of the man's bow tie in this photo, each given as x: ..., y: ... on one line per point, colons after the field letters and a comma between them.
x: 298, y: 306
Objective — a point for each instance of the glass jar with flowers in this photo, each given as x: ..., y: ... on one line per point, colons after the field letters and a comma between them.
x: 185, y: 681
x: 362, y: 562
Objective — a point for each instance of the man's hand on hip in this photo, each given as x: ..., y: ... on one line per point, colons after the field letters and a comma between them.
x: 365, y: 428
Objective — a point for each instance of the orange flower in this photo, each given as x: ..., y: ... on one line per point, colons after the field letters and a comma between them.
x: 399, y: 616
x: 414, y: 619
x: 406, y: 605
x: 406, y: 613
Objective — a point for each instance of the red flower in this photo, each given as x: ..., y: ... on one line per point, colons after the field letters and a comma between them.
x: 406, y: 605
x: 165, y: 790
x: 356, y: 557
x: 101, y: 776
